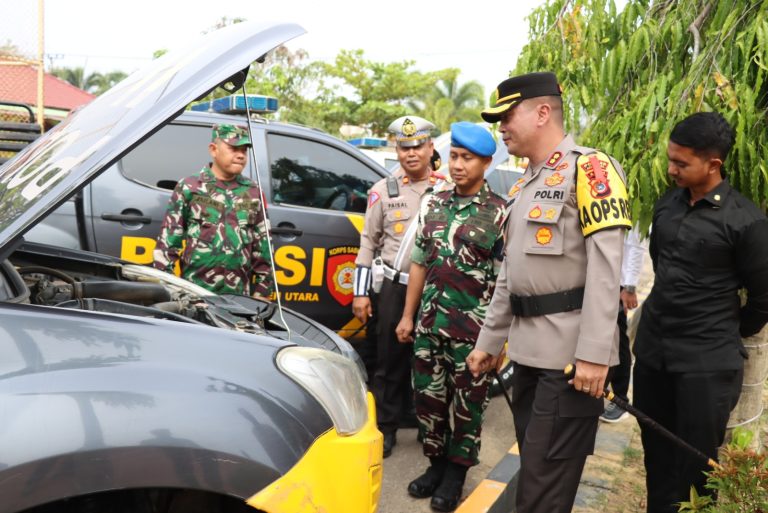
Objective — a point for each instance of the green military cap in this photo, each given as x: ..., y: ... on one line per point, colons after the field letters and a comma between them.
x: 234, y: 135
x: 516, y: 89
x: 411, y: 131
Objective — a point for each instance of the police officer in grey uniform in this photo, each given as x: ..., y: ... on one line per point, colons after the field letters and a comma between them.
x: 393, y: 204
x: 555, y: 297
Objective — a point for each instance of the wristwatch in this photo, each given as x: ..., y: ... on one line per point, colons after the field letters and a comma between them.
x: 630, y: 288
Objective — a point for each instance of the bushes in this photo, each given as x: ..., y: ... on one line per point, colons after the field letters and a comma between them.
x: 740, y: 483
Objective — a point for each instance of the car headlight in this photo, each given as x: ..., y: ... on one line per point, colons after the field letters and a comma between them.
x: 333, y: 380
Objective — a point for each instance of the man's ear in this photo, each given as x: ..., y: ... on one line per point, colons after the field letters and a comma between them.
x: 543, y: 110
x: 212, y: 148
x: 715, y: 164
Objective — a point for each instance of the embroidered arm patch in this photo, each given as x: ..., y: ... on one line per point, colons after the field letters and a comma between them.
x: 601, y: 195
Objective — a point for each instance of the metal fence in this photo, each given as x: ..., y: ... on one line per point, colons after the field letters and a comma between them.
x: 21, y: 58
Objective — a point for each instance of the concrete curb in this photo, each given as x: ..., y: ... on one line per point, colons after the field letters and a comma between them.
x: 496, y: 493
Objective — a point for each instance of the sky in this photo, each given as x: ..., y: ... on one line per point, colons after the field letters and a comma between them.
x: 482, y: 38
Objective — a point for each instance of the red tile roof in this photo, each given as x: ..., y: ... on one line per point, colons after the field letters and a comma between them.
x: 19, y: 84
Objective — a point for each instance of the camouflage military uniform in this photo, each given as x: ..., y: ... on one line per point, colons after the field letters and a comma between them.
x: 217, y: 232
x: 460, y: 243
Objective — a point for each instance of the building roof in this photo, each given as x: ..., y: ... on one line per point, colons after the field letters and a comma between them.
x: 19, y: 84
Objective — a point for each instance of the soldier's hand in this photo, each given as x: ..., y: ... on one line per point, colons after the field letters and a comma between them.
x: 589, y: 378
x: 362, y: 308
x: 479, y: 362
x: 404, y: 330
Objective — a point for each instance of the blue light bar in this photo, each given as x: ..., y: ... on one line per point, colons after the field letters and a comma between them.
x: 235, y: 104
x: 368, y: 142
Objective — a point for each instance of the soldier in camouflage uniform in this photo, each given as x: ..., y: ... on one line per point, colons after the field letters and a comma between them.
x: 214, y: 227
x: 455, y: 260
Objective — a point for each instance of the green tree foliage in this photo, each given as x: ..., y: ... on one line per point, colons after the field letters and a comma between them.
x: 629, y: 76
x: 449, y: 101
x: 96, y: 83
x: 372, y: 94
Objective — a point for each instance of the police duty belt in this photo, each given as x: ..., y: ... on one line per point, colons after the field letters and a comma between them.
x: 545, y: 304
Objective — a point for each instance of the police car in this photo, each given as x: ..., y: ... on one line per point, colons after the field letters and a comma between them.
x: 124, y: 388
x: 315, y: 187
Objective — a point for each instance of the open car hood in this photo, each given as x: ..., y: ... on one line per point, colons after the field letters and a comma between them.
x: 65, y: 159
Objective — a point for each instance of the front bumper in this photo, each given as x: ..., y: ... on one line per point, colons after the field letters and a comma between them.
x: 338, y: 473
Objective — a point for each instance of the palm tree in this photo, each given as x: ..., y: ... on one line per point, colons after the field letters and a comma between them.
x: 95, y: 83
x: 449, y: 101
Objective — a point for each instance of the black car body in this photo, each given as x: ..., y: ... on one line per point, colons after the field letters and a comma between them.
x: 119, y: 389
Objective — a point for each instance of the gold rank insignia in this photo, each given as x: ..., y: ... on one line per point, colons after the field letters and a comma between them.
x: 409, y: 128
x: 399, y: 228
x: 535, y: 212
x: 550, y: 213
x: 515, y: 188
x: 562, y: 166
x: 601, y: 195
x: 554, y: 158
x: 544, y: 236
x: 398, y: 214
x: 554, y: 179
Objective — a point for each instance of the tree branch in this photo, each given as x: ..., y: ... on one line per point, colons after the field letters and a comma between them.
x: 694, y: 27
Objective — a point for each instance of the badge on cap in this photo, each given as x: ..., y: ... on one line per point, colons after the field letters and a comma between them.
x: 410, y: 131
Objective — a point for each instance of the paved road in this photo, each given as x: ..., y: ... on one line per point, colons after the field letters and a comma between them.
x: 407, y: 462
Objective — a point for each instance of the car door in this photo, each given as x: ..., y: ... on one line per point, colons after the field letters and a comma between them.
x: 128, y: 202
x: 318, y: 190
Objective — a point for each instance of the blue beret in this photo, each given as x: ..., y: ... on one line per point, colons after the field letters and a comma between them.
x: 473, y: 137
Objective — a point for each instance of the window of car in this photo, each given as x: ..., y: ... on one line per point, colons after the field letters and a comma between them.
x: 173, y: 153
x: 313, y: 174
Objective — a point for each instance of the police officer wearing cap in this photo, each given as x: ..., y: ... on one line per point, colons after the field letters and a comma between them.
x: 555, y: 298
x: 393, y: 205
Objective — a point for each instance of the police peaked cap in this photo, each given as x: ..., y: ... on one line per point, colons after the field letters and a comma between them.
x: 516, y: 89
x: 411, y: 131
x: 472, y: 137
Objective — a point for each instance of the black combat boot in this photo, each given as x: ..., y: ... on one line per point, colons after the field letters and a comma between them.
x: 447, y: 495
x: 390, y: 441
x: 424, y: 485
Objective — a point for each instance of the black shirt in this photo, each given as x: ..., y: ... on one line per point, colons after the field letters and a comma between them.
x: 702, y: 255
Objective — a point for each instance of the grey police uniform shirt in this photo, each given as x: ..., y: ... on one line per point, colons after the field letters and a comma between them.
x: 546, y: 252
x: 387, y: 219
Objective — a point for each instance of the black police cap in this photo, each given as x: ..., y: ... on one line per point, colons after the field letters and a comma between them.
x: 516, y: 89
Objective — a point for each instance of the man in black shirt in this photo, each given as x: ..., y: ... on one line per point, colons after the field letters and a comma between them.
x: 707, y: 242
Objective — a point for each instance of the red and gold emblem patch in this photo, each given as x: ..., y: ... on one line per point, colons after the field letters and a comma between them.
x: 535, y: 212
x: 373, y: 198
x: 544, y: 236
x: 340, y: 274
x: 595, y: 168
x: 554, y: 179
x: 554, y: 158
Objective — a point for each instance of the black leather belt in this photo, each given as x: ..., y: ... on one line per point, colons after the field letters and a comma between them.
x: 531, y: 306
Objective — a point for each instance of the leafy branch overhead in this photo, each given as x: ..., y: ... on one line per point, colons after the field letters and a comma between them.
x: 629, y: 76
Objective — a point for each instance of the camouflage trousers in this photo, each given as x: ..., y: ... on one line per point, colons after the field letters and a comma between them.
x: 449, y: 401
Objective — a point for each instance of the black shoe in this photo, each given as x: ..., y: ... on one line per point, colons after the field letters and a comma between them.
x: 426, y: 484
x: 447, y: 495
x: 390, y: 441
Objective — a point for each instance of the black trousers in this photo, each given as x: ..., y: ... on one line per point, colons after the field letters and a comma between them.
x: 556, y: 428
x: 621, y: 373
x: 392, y: 378
x: 693, y: 405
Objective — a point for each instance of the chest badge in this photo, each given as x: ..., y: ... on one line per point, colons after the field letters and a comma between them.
x: 398, y: 227
x: 550, y: 213
x: 554, y: 180
x: 544, y: 236
x: 398, y: 214
x: 515, y: 188
x: 535, y: 212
